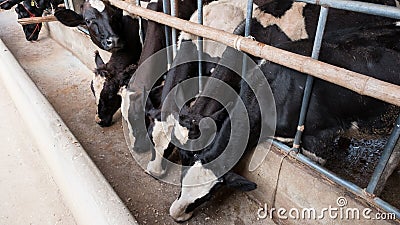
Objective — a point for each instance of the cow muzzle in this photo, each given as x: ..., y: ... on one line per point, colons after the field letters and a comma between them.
x: 111, y: 43
x: 101, y: 122
x: 177, y: 212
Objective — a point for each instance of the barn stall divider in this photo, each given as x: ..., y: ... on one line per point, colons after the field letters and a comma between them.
x: 359, y: 83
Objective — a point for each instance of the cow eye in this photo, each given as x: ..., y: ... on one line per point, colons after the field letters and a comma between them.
x: 87, y: 21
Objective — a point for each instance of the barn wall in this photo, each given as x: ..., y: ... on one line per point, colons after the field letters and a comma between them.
x: 76, y: 42
x: 298, y: 186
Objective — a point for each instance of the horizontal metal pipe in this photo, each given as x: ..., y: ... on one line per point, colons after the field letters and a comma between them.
x: 356, y: 82
x: 331, y: 176
x: 361, y: 7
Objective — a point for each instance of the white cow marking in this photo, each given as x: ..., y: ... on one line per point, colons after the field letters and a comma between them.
x: 98, y: 5
x: 292, y: 23
x: 197, y: 182
x: 181, y: 133
x: 98, y: 85
x: 162, y: 132
x: 125, y: 96
x: 224, y: 15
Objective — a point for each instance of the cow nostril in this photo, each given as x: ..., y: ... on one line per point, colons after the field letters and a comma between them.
x: 109, y: 42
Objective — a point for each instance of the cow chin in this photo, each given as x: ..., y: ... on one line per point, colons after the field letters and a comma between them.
x: 179, y: 214
x: 103, y: 122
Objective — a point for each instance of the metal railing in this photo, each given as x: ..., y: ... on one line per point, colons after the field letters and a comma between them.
x: 386, y: 160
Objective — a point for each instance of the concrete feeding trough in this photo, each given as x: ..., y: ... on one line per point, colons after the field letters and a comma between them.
x: 84, y: 189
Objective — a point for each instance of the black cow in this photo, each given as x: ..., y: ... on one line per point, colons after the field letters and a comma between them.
x: 284, y: 13
x: 110, y: 30
x: 154, y: 42
x: 108, y: 79
x: 29, y: 8
x: 25, y: 10
x: 107, y: 26
x: 373, y: 51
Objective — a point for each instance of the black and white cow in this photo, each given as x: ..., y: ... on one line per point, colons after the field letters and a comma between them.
x: 107, y: 80
x: 274, y: 22
x: 373, y: 51
x: 108, y: 28
x: 28, y: 9
x: 153, y: 43
x: 224, y: 15
x: 133, y: 95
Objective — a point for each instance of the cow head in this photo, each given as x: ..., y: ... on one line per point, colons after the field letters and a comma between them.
x: 199, y: 183
x: 104, y: 23
x: 26, y: 10
x: 107, y: 81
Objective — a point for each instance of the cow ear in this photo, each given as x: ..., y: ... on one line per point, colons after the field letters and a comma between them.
x: 98, y: 60
x: 220, y: 115
x: 236, y: 181
x: 69, y: 18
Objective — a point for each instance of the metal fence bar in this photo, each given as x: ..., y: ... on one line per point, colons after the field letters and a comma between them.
x: 378, y: 179
x: 200, y: 42
x: 66, y: 4
x: 167, y: 35
x: 141, y: 32
x: 361, y: 7
x: 310, y: 79
x: 174, y: 6
x: 331, y: 176
x: 247, y: 30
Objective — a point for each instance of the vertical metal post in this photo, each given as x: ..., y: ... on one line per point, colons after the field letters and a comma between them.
x: 379, y: 177
x: 167, y: 32
x: 200, y: 42
x: 310, y: 80
x: 67, y: 5
x: 247, y: 30
x: 141, y: 32
x: 174, y: 9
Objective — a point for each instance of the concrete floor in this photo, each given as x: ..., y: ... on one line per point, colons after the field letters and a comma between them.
x: 28, y: 193
x: 65, y: 81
